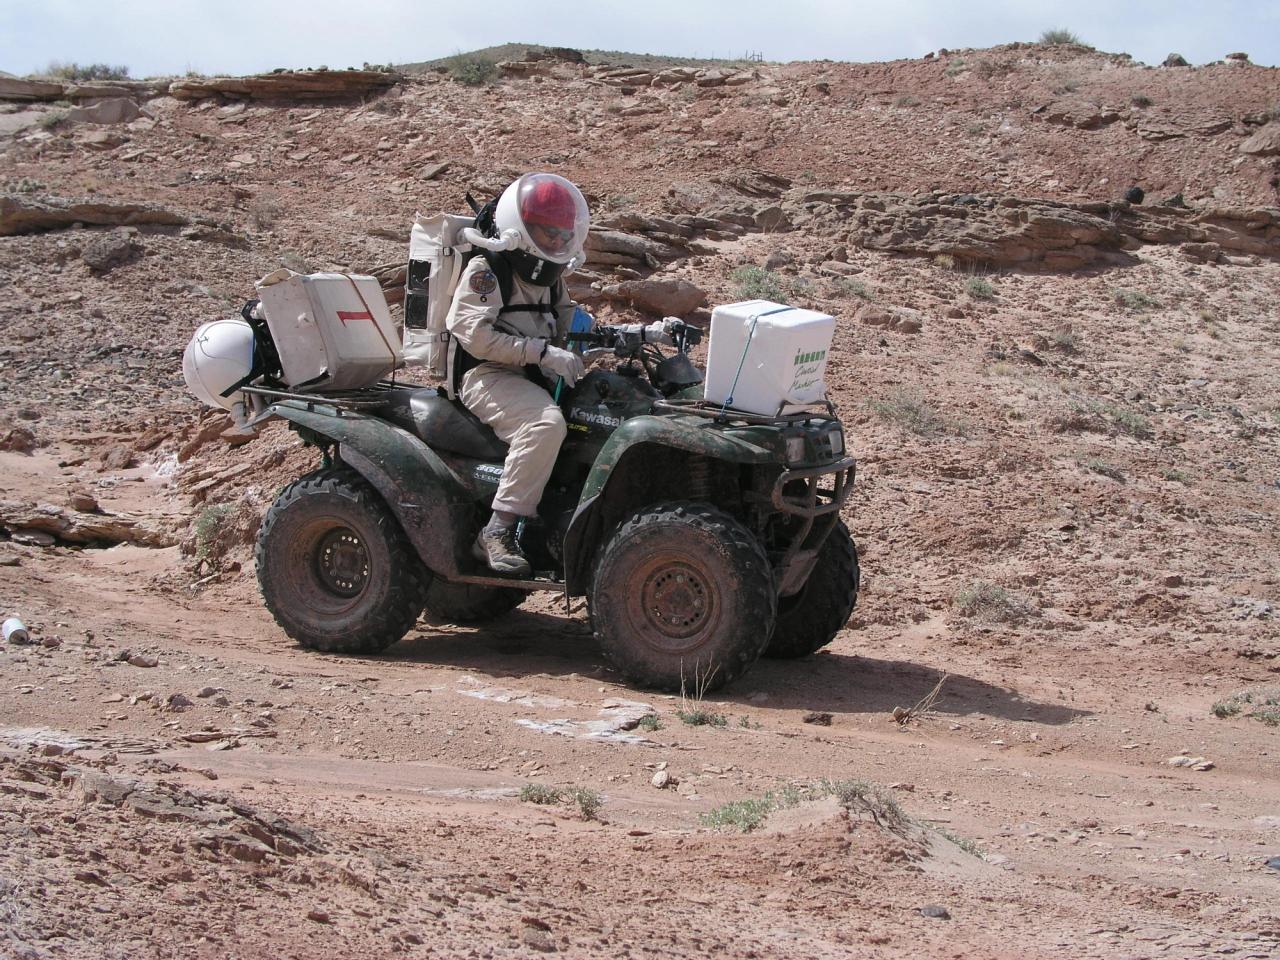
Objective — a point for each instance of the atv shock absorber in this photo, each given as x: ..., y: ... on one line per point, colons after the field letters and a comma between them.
x: 698, y: 479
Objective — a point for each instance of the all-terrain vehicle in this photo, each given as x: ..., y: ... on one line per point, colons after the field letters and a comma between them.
x: 701, y: 537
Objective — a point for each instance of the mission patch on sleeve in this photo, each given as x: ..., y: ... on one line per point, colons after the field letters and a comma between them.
x: 484, y: 282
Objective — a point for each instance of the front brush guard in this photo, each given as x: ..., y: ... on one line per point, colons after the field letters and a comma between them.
x: 814, y: 505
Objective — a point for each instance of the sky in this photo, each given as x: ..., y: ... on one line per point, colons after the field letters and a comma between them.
x: 154, y: 38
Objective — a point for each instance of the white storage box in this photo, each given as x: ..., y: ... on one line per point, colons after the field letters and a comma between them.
x: 333, y: 331
x: 776, y: 354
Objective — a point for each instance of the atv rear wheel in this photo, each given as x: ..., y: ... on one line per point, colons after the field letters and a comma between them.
x: 335, y: 569
x: 810, y: 619
x: 469, y: 602
x: 682, y: 596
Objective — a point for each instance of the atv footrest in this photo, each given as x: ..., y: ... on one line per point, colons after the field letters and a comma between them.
x: 537, y: 583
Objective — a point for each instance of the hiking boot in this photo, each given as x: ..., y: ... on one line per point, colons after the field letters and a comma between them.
x: 497, y: 547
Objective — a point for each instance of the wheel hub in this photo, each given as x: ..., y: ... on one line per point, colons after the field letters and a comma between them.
x: 676, y: 599
x: 342, y: 563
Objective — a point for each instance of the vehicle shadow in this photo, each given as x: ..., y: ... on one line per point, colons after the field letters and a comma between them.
x: 529, y: 643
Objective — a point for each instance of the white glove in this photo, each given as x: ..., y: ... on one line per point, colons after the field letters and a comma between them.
x: 557, y: 362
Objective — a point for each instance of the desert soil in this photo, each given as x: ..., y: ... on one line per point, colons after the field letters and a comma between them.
x: 1096, y: 450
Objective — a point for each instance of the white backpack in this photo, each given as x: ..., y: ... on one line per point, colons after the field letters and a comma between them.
x: 436, y: 250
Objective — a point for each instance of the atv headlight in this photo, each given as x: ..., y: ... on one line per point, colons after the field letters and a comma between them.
x: 836, y: 439
x: 795, y: 449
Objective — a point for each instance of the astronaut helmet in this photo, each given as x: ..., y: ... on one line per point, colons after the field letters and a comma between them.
x: 550, y: 215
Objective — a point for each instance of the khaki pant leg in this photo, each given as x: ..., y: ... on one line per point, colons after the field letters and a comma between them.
x: 524, y: 416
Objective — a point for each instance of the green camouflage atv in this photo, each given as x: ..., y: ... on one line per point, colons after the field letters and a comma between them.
x: 702, y: 538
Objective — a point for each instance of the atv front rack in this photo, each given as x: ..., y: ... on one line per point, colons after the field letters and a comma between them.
x: 720, y: 414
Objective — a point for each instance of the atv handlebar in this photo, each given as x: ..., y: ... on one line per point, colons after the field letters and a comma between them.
x: 628, y: 345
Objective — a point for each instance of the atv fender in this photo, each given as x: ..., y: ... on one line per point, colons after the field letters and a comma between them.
x: 430, y: 501
x: 628, y: 443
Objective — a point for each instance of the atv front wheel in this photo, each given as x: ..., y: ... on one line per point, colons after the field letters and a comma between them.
x: 470, y: 602
x: 810, y: 619
x: 682, y: 596
x: 335, y: 569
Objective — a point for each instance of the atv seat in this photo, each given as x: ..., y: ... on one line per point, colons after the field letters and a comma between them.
x: 443, y: 423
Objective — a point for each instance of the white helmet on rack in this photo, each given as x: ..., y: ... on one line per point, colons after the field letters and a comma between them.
x: 219, y: 356
x: 550, y: 215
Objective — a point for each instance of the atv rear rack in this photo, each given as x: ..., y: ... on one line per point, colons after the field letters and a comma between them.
x: 364, y: 398
x: 721, y: 414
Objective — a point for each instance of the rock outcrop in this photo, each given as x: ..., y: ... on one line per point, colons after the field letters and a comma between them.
x: 23, y: 214
x: 1011, y: 232
x: 71, y: 526
x: 288, y: 85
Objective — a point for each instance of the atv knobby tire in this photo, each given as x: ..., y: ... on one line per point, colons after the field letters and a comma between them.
x: 335, y: 569
x: 470, y: 602
x: 682, y: 596
x: 810, y: 619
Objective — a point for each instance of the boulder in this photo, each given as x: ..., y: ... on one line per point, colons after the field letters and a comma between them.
x: 1264, y: 143
x: 1080, y: 114
x: 1202, y: 252
x: 106, y: 252
x: 661, y: 297
x: 1175, y: 60
x: 115, y: 110
x: 773, y: 220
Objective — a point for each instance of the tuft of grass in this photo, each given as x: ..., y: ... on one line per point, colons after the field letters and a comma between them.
x: 1134, y: 299
x: 991, y: 603
x: 208, y: 528
x: 1059, y: 36
x: 989, y: 69
x: 850, y: 287
x: 1100, y: 416
x: 757, y: 283
x: 1257, y: 703
x: 967, y: 844
x: 1127, y: 421
x: 979, y: 289
x: 702, y: 717
x: 955, y: 68
x: 1176, y: 476
x: 79, y: 73
x: 264, y: 212
x: 1065, y: 341
x: 1100, y: 466
x: 471, y: 70
x: 944, y: 261
x: 906, y: 100
x: 51, y: 119
x: 650, y: 722
x: 741, y: 815
x: 1141, y: 100
x: 747, y: 723
x: 857, y: 796
x: 587, y: 800
x: 913, y: 413
x: 540, y: 794
x: 693, y: 711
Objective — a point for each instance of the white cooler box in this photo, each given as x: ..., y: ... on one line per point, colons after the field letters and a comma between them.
x: 781, y: 350
x: 333, y: 331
